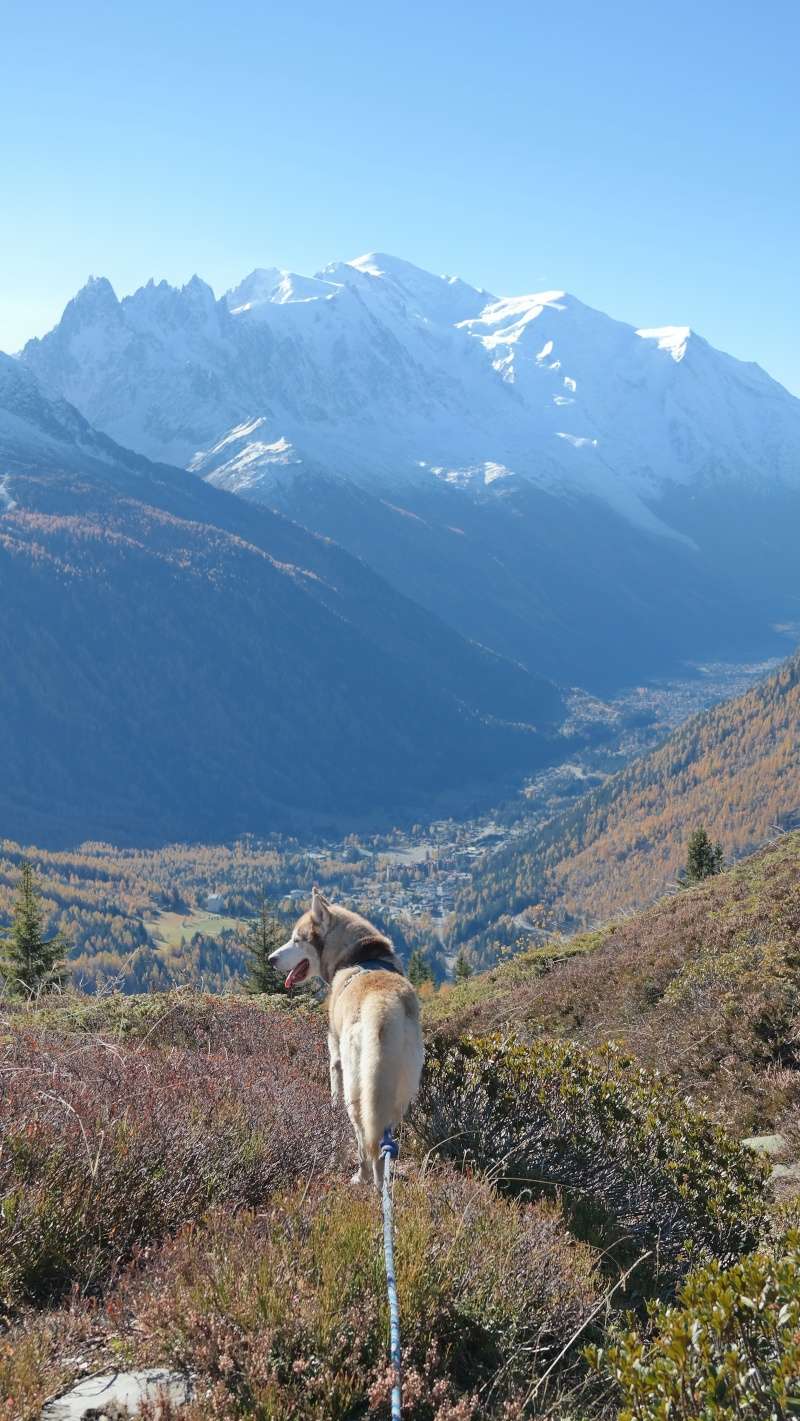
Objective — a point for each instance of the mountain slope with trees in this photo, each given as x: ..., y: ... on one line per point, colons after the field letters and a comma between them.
x: 734, y: 769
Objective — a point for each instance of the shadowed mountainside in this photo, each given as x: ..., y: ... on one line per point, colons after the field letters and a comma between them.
x: 189, y: 667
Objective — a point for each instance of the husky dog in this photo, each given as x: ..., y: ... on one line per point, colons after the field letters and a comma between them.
x: 374, y: 1033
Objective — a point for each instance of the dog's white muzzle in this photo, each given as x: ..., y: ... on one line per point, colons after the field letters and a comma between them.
x: 291, y: 958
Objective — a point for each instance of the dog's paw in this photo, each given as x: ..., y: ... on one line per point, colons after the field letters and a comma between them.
x: 360, y: 1178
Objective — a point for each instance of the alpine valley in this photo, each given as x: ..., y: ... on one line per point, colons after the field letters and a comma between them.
x: 329, y: 550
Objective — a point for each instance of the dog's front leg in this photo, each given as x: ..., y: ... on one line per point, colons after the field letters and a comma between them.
x: 336, y: 1068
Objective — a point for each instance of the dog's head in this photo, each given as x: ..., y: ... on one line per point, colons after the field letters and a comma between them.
x: 322, y: 941
x: 301, y: 956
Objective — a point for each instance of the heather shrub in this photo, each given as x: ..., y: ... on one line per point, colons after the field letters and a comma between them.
x: 38, y: 1355
x: 639, y: 1170
x: 194, y: 1020
x: 107, y: 1147
x: 729, y: 1348
x: 284, y: 1314
x: 789, y: 1124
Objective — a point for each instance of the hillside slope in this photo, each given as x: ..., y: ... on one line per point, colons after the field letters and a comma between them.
x: 704, y: 986
x: 734, y: 769
x: 186, y: 667
x: 167, y: 1204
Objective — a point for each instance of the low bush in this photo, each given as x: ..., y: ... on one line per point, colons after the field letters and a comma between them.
x: 107, y: 1146
x: 789, y: 1128
x: 639, y: 1170
x: 284, y: 1315
x: 730, y: 1348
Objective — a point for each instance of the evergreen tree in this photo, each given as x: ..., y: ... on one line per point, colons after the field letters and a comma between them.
x: 31, y: 962
x: 263, y: 937
x: 419, y: 968
x: 463, y: 967
x: 703, y: 859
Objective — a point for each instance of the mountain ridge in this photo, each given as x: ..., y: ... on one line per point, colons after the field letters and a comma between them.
x: 375, y: 369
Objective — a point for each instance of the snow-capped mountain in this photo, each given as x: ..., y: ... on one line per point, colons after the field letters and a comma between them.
x: 385, y: 374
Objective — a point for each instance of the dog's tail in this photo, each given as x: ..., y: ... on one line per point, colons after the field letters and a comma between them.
x: 381, y: 1086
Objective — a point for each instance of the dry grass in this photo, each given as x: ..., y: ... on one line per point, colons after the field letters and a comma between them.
x: 168, y: 1196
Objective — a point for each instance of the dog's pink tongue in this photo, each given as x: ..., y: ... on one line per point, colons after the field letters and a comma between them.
x: 296, y: 975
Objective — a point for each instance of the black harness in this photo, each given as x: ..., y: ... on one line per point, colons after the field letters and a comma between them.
x: 359, y: 957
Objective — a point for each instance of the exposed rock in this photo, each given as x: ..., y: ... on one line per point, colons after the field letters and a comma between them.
x: 774, y: 1146
x: 112, y: 1396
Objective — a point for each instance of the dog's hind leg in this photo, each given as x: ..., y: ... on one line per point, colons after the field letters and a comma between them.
x: 381, y: 1105
x: 350, y: 1066
x: 361, y: 1175
x: 336, y: 1068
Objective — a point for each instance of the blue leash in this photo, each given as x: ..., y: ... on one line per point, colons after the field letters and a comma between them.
x: 390, y: 1150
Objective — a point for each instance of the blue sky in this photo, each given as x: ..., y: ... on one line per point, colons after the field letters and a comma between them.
x: 644, y: 156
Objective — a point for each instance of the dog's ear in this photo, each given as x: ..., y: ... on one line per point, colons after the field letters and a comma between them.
x: 320, y: 909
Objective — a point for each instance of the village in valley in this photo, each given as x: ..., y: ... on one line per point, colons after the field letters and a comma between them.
x: 182, y: 913
x: 421, y: 872
x: 415, y: 875
x: 151, y: 918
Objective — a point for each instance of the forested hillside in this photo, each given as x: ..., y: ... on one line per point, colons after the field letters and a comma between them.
x: 734, y: 769
x: 136, y: 919
x: 186, y: 666
x: 107, y: 903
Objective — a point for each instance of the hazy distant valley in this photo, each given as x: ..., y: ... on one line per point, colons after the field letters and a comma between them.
x: 140, y: 918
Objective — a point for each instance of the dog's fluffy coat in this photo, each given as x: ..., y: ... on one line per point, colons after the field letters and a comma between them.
x: 374, y: 1032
